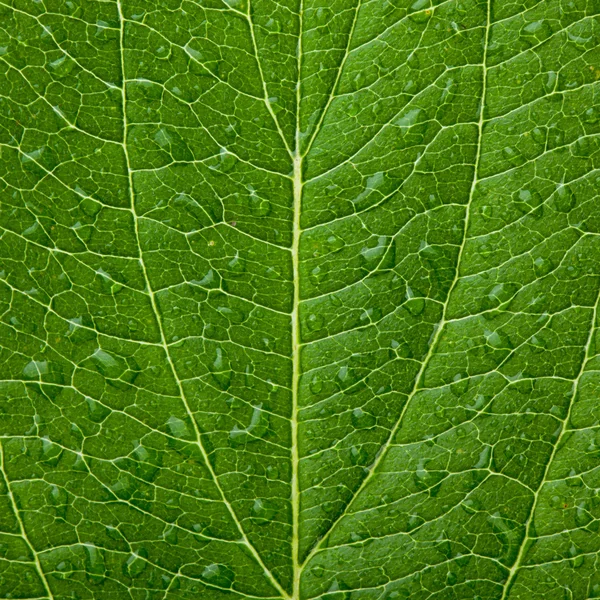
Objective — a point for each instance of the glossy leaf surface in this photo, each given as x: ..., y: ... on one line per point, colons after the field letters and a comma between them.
x: 299, y: 299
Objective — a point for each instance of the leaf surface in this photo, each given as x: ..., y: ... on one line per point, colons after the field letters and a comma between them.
x: 299, y: 300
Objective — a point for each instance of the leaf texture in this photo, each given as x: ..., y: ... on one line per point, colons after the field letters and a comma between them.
x: 299, y: 299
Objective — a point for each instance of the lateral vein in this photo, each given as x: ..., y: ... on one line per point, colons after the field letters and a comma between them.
x: 164, y: 344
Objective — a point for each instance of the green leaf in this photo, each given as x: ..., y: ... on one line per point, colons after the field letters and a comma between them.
x: 299, y: 300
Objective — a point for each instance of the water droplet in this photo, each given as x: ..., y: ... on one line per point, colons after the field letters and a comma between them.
x: 359, y: 80
x: 583, y: 147
x: 257, y: 428
x: 221, y: 369
x: 219, y: 575
x: 273, y: 25
x: 556, y: 137
x: 171, y: 535
x: 415, y: 306
x: 460, y: 385
x: 362, y: 419
x: 323, y: 15
x: 236, y: 266
x: 413, y: 61
x: 370, y: 315
x: 259, y: 207
x: 470, y: 506
x: 423, y: 479
x: 420, y: 15
x: 359, y: 455
x: 353, y: 109
x: 95, y: 568
x: 177, y: 427
x: 497, y: 339
x: 314, y: 322
x: 402, y: 349
x: 62, y: 66
x: 335, y: 243
x: 225, y: 162
x: 78, y: 334
x: 371, y: 257
x: 542, y: 266
x: 64, y: 570
x: 107, y: 364
x: 398, y: 595
x: 512, y: 155
x: 564, y: 199
x: 335, y: 301
x: 272, y: 472
x: 317, y: 571
x: 233, y: 315
x: 316, y: 385
x: 263, y: 511
x: 347, y: 376
x: 210, y: 280
x: 582, y: 516
x: 573, y: 266
x: 574, y: 481
x: 451, y: 578
x: 59, y: 498
x: 499, y: 294
x: 51, y: 452
x: 90, y: 207
x: 539, y: 135
x: 550, y: 83
x: 97, y: 412
x: 135, y: 565
x: 271, y: 273
x: 536, y: 31
x: 35, y: 369
x: 538, y: 344
x: 318, y: 274
x: 527, y: 200
x: 591, y: 115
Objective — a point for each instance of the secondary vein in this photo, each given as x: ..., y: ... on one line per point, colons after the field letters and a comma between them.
x: 440, y: 326
x: 166, y: 348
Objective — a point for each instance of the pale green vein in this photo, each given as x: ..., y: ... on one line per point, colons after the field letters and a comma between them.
x: 439, y: 327
x: 164, y: 343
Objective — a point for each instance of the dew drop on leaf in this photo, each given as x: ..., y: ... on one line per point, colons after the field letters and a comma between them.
x: 359, y: 455
x: 177, y: 427
x: 316, y: 384
x: 95, y: 567
x: 591, y: 115
x: 135, y: 564
x: 335, y: 243
x: 220, y: 369
x: 236, y: 266
x: 263, y: 511
x: 542, y: 266
x: 362, y: 419
x: 564, y: 199
x: 415, y: 306
x: 256, y: 429
x: 259, y: 207
x: 315, y: 322
x: 460, y: 384
x: 219, y: 575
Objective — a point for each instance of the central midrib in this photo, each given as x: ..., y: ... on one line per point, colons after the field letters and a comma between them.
x: 295, y: 325
x: 295, y: 320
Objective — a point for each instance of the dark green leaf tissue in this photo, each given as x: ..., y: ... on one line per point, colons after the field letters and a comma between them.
x: 299, y: 299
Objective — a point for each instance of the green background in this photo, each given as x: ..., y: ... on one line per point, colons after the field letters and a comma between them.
x: 299, y: 300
